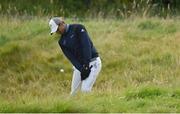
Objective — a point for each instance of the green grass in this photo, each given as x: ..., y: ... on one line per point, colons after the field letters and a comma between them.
x: 140, y: 73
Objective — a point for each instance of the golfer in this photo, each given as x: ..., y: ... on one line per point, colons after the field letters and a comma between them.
x: 80, y: 51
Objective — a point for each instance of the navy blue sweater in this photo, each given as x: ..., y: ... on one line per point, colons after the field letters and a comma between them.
x: 77, y: 45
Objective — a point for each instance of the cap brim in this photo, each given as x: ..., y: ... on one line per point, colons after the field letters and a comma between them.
x: 53, y: 26
x: 54, y: 29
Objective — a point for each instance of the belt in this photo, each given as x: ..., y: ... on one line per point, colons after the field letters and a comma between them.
x: 93, y: 59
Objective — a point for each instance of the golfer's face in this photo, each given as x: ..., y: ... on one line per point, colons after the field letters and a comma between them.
x: 60, y: 29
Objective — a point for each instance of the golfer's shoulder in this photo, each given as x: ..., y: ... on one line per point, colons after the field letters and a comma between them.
x: 77, y: 27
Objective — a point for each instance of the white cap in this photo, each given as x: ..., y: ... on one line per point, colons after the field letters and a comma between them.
x: 54, y: 23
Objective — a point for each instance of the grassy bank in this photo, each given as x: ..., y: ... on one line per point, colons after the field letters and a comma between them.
x: 141, y: 62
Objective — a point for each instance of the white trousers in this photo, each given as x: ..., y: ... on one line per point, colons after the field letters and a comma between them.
x: 87, y: 84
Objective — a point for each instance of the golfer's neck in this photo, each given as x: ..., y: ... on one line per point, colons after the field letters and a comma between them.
x: 66, y: 28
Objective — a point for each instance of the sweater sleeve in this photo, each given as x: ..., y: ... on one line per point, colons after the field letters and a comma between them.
x: 85, y: 43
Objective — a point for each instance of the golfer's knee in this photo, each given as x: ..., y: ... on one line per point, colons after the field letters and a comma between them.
x: 86, y: 89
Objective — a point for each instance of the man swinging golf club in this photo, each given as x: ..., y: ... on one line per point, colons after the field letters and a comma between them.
x: 80, y: 51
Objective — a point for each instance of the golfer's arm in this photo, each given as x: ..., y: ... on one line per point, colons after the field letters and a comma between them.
x: 72, y: 58
x: 86, y: 45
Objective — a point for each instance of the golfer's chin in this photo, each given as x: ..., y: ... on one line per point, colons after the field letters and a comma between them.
x: 60, y: 32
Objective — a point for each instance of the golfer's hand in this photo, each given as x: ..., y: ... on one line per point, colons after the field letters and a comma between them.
x: 85, y: 71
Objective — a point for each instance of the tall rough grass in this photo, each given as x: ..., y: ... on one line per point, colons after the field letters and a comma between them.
x: 140, y: 56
